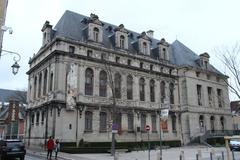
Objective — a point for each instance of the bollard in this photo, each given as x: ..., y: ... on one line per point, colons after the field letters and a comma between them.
x: 222, y: 155
x: 199, y: 154
x: 211, y: 156
x: 197, y: 157
x: 233, y: 156
x: 158, y: 155
x: 182, y: 155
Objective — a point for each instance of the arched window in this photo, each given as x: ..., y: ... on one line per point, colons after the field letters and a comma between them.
x: 103, y: 84
x: 222, y: 122
x: 95, y: 34
x: 171, y: 93
x: 117, y: 81
x: 45, y: 82
x: 122, y: 41
x: 129, y: 87
x: 103, y: 121
x: 162, y: 89
x: 144, y: 48
x: 88, y: 121
x: 152, y: 90
x: 174, y: 123
x: 201, y: 123
x: 212, y: 123
x: 89, y: 81
x: 35, y: 88
x: 39, y: 85
x: 142, y: 89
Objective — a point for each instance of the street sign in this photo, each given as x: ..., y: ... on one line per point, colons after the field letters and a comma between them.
x: 114, y: 128
x: 147, y: 128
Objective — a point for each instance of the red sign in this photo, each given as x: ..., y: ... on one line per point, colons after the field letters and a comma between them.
x: 147, y: 127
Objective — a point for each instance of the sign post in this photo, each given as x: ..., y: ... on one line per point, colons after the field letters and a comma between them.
x: 147, y: 128
x: 163, y: 116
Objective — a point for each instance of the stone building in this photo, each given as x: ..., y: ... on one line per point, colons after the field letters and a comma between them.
x: 83, y: 60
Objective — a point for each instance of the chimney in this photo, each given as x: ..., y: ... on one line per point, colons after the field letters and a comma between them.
x: 150, y: 33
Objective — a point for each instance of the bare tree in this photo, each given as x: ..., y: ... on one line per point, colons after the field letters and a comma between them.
x: 230, y: 57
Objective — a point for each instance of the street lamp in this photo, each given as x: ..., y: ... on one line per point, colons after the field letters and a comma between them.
x: 16, y: 58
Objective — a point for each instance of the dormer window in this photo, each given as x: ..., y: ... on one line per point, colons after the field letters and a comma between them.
x: 95, y: 28
x: 144, y: 48
x: 96, y: 34
x: 71, y: 49
x: 122, y: 41
x: 144, y: 43
x: 164, y: 54
x: 163, y: 50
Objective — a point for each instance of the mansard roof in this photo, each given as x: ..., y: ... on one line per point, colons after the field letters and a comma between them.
x: 73, y: 26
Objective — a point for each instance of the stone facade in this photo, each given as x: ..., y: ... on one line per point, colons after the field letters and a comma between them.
x: 83, y: 61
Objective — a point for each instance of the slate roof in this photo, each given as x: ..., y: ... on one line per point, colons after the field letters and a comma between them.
x: 73, y: 26
x: 6, y: 95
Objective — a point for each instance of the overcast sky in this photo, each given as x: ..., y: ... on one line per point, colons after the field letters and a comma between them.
x: 202, y: 25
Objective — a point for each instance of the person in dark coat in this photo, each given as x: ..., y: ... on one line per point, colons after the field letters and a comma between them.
x: 50, y: 147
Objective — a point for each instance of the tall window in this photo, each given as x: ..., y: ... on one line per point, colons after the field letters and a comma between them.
x: 39, y: 85
x: 201, y: 123
x: 152, y: 90
x: 222, y: 123
x: 32, y: 119
x: 212, y: 123
x: 210, y: 99
x: 142, y: 89
x: 174, y: 123
x: 37, y: 118
x: 144, y: 48
x: 117, y: 81
x: 96, y: 34
x: 103, y: 121
x: 103, y: 84
x: 154, y: 124
x: 119, y: 121
x: 219, y: 95
x: 42, y: 120
x: 199, y: 94
x: 130, y: 122
x: 35, y: 88
x: 45, y: 82
x: 162, y: 90
x: 122, y: 41
x: 88, y: 121
x: 89, y: 81
x: 171, y: 93
x: 143, y: 122
x: 51, y: 83
x: 129, y: 87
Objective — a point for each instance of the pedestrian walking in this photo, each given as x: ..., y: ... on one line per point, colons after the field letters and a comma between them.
x: 56, y: 148
x: 50, y: 147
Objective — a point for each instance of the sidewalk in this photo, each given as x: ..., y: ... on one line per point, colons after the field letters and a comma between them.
x: 168, y: 154
x: 61, y: 155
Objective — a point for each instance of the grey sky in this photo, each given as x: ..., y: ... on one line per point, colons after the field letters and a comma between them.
x: 202, y: 25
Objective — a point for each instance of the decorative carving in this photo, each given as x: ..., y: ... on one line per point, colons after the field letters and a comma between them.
x: 94, y: 19
x: 71, y: 87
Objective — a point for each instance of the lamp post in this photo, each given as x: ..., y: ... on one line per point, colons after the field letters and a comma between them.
x: 16, y: 58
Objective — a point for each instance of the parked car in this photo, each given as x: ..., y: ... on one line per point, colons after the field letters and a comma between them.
x: 234, y: 144
x: 12, y: 148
